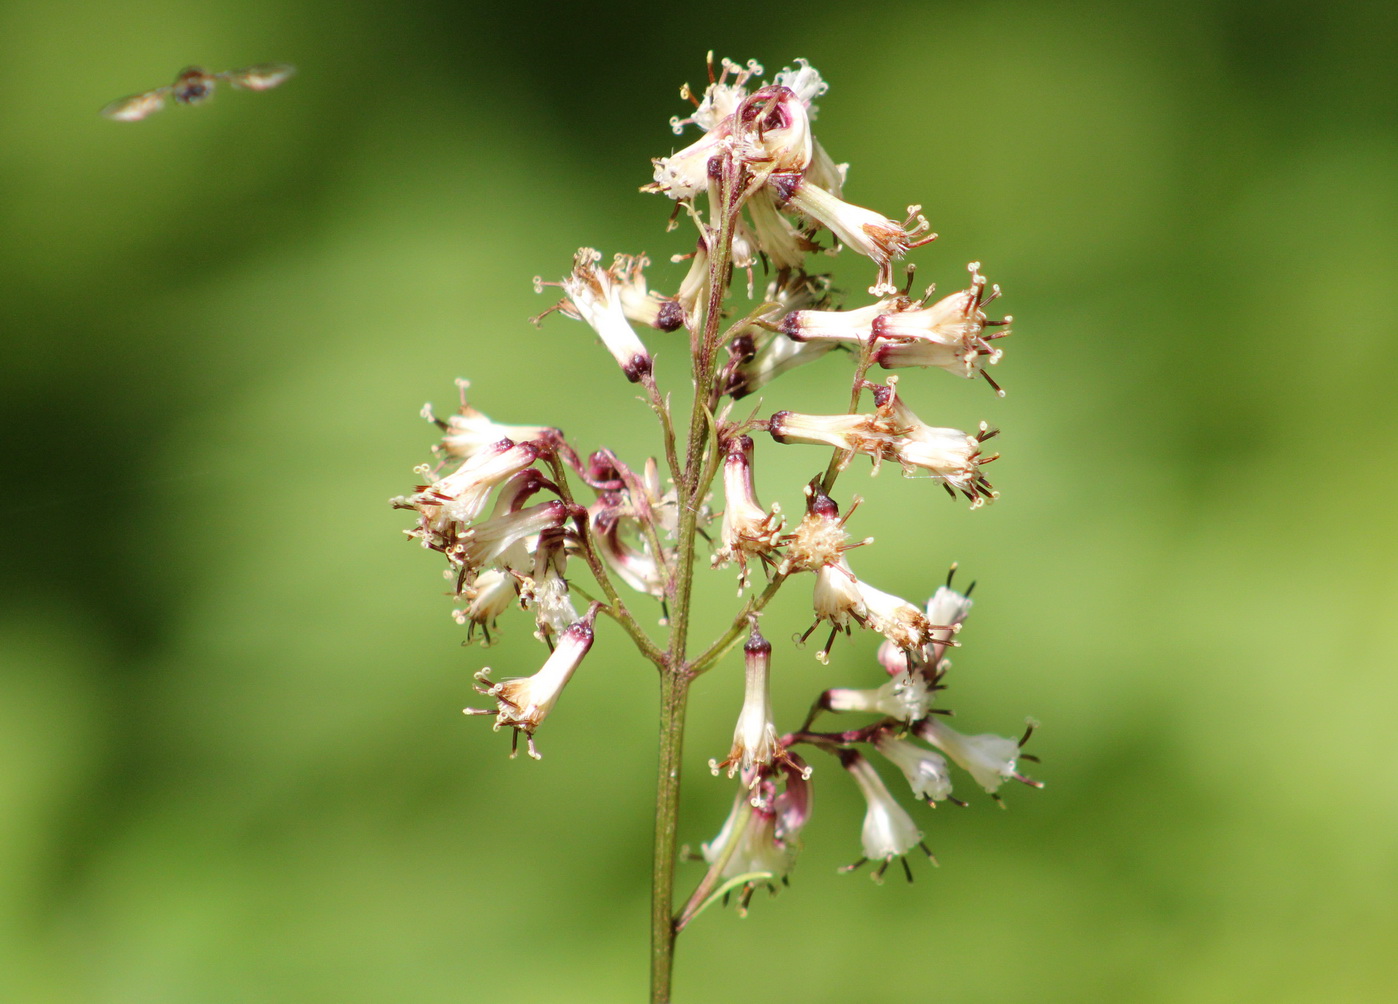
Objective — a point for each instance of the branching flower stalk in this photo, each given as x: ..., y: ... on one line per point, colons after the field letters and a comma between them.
x: 523, y: 520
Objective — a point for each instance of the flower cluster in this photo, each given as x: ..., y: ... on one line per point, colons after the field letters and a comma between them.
x: 516, y: 511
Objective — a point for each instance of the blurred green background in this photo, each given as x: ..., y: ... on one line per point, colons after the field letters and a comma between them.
x: 233, y: 766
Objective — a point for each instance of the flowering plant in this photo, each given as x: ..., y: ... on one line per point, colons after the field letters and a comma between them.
x: 760, y: 192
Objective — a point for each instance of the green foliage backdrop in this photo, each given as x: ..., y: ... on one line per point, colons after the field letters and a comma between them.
x: 232, y: 762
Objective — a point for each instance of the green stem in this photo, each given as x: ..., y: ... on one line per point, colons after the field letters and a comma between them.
x: 674, y: 674
x: 674, y: 694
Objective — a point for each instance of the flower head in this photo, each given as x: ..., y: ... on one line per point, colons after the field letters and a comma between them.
x: 861, y: 230
x: 926, y: 771
x: 820, y: 539
x: 470, y: 430
x: 950, y: 334
x: 748, y: 529
x: 595, y: 296
x: 888, y: 832
x: 755, y: 742
x: 613, y: 525
x: 906, y: 697
x: 522, y: 703
x: 989, y: 759
x: 487, y: 598
x: 448, y: 504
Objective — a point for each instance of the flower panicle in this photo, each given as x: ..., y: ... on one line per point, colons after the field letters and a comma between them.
x: 524, y: 517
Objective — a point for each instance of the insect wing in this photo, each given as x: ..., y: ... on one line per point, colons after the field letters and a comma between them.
x: 259, y: 78
x: 137, y: 106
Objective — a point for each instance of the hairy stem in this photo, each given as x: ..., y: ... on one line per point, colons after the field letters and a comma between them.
x: 674, y: 674
x: 674, y: 694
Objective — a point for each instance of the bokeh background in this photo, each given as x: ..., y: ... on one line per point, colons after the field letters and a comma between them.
x: 233, y: 766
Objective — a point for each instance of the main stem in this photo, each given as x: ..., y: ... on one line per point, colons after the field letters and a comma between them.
x: 675, y: 676
x: 674, y: 694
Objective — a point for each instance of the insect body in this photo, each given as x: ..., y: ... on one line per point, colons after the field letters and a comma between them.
x: 194, y: 85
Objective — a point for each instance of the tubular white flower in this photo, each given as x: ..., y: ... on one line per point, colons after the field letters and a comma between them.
x: 950, y: 334
x: 837, y: 596
x: 759, y: 850
x: 894, y: 618
x: 748, y: 528
x: 850, y: 327
x: 761, y: 354
x: 825, y: 173
x: 460, y: 497
x: 777, y: 129
x: 695, y: 281
x: 906, y: 697
x: 949, y: 455
x: 889, y: 832
x: 926, y: 771
x: 595, y: 297
x: 946, y: 611
x: 775, y: 235
x: 775, y: 355
x: 857, y: 433
x: 989, y: 759
x: 522, y: 703
x: 755, y: 740
x: 947, y: 607
x: 685, y: 174
x: 546, y: 590
x: 637, y: 567
x: 470, y: 430
x: 487, y: 541
x: 861, y: 230
x: 487, y: 598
